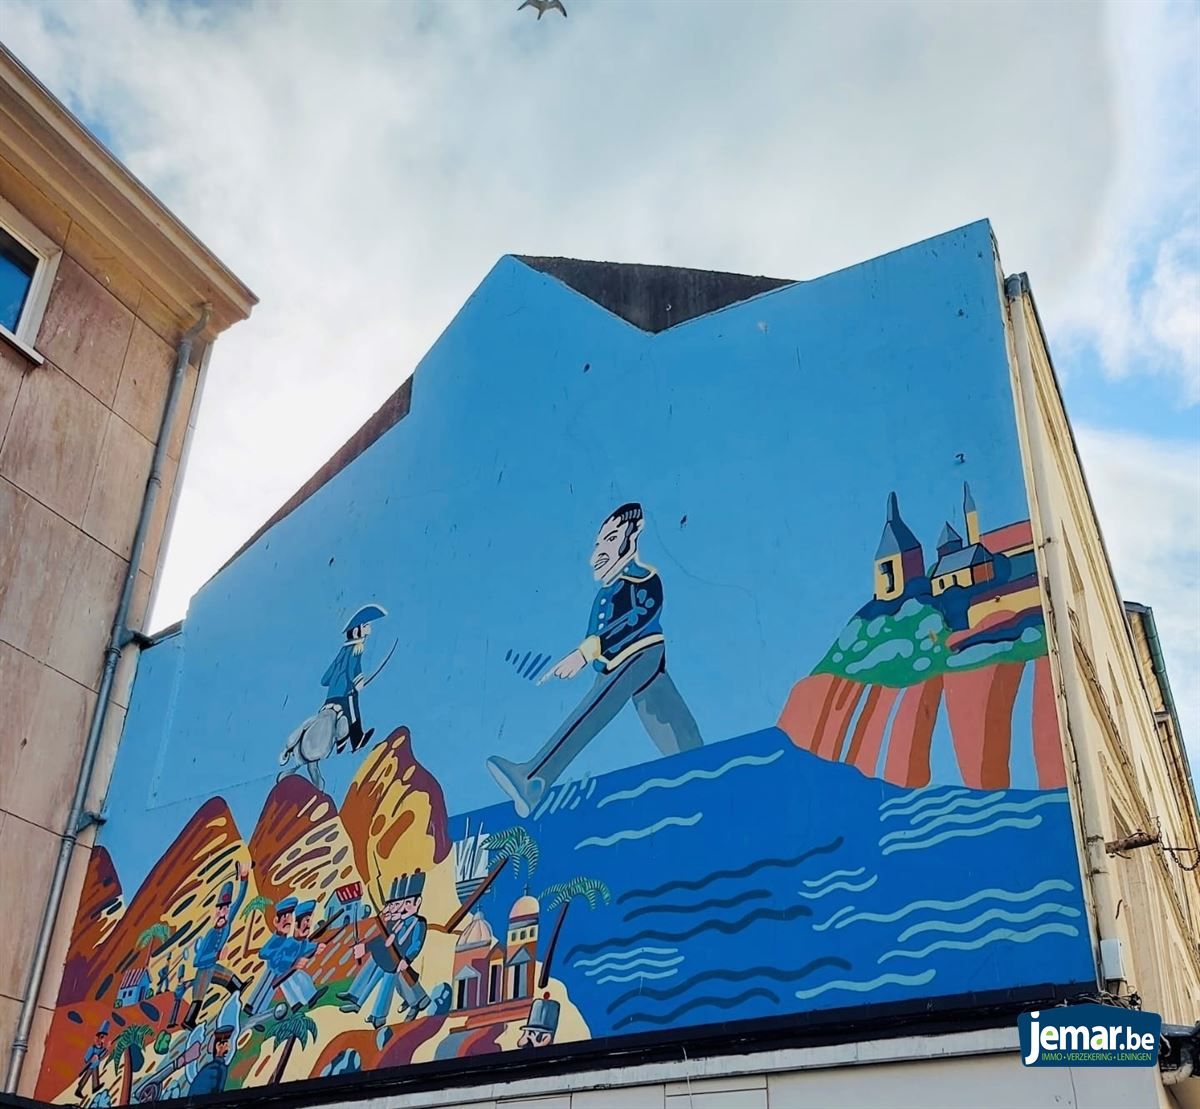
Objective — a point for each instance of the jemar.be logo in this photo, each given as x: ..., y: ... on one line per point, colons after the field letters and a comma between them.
x: 1089, y: 1036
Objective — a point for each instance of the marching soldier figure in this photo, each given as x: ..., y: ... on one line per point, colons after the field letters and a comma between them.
x: 389, y: 967
x: 178, y: 993
x: 626, y: 648
x: 209, y: 968
x: 276, y: 956
x: 93, y: 1059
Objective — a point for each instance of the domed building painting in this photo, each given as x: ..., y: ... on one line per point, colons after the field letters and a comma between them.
x: 652, y: 681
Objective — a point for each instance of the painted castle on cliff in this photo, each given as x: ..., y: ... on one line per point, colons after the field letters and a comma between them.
x: 987, y: 583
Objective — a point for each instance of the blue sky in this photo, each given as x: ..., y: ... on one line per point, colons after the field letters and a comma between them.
x: 363, y: 166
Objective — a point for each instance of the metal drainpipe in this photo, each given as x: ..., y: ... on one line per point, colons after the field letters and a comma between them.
x: 120, y: 637
x: 1091, y: 786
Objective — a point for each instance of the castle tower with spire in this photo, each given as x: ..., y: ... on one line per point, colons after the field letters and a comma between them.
x: 899, y: 560
x: 970, y: 515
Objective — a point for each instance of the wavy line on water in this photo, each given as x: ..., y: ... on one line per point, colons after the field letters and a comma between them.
x: 641, y: 833
x: 980, y: 895
x: 639, y: 974
x: 959, y: 803
x: 741, y: 872
x: 657, y: 964
x: 836, y: 916
x: 628, y: 955
x: 874, y: 984
x: 691, y: 775
x: 711, y: 903
x: 725, y: 927
x: 774, y: 973
x: 715, y: 1002
x: 971, y: 818
x: 993, y: 936
x: 814, y: 882
x: 983, y: 918
x: 911, y: 804
x: 958, y: 833
x: 592, y: 786
x: 841, y: 886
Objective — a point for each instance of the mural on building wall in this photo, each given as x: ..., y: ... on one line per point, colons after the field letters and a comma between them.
x: 846, y: 792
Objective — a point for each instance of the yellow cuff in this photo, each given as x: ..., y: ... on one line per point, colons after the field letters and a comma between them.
x: 590, y: 648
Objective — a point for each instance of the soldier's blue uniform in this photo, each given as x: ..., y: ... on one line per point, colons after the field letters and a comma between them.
x: 276, y: 956
x: 627, y: 649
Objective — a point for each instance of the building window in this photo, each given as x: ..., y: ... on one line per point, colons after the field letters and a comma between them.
x: 28, y: 263
x: 888, y: 570
x: 494, y: 984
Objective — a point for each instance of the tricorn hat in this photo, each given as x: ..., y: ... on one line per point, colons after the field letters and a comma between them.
x: 543, y: 1015
x: 364, y: 616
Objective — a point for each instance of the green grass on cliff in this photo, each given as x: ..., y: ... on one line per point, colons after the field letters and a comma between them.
x: 910, y: 646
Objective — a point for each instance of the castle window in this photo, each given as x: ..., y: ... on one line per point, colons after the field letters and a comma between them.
x: 888, y: 570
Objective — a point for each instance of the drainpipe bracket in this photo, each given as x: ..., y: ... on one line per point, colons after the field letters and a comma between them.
x: 89, y: 817
x: 139, y: 638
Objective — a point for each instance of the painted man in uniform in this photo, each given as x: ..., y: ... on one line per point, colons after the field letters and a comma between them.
x: 275, y: 954
x: 538, y: 1031
x: 626, y: 647
x: 390, y: 957
x: 93, y: 1060
x: 209, y: 968
x: 297, y: 985
x: 343, y: 680
x: 211, y: 1077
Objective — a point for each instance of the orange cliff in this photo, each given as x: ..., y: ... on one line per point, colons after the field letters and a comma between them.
x: 892, y: 740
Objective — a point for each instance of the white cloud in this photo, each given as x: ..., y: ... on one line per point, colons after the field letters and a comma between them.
x: 1147, y: 495
x: 1138, y: 298
x: 363, y: 165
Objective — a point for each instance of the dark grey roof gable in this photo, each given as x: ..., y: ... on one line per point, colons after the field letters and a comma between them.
x: 653, y: 297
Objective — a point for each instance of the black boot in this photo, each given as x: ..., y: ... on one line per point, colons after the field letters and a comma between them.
x: 189, y: 1021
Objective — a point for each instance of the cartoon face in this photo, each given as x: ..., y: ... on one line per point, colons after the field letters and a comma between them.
x: 392, y: 911
x: 616, y: 544
x: 304, y: 926
x: 101, y: 1037
x: 361, y: 631
x: 407, y: 907
x: 221, y: 915
x: 535, y: 1037
x: 283, y: 922
x: 220, y: 1048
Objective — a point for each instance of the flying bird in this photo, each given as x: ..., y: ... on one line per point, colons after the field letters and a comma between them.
x: 544, y: 6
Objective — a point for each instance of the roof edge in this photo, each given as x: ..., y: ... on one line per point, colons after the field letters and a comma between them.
x: 66, y: 162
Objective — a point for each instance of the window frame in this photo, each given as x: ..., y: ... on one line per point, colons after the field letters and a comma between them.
x: 48, y: 254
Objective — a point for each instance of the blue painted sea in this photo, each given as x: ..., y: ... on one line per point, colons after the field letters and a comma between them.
x: 751, y: 879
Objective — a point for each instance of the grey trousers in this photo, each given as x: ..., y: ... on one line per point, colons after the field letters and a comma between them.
x: 643, y: 679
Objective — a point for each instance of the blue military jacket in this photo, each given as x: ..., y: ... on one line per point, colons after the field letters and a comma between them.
x: 626, y: 616
x: 210, y: 1079
x: 410, y: 938
x: 208, y: 947
x: 339, y: 678
x: 279, y: 954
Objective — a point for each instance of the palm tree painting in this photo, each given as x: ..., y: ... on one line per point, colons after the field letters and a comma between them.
x: 560, y: 896
x: 156, y: 934
x: 513, y: 845
x: 250, y: 910
x: 129, y: 1048
x: 295, y: 1027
